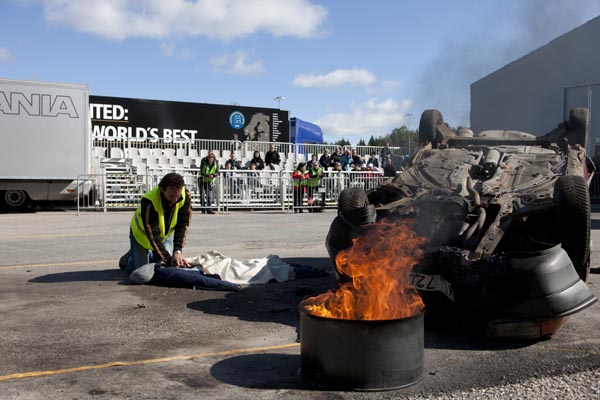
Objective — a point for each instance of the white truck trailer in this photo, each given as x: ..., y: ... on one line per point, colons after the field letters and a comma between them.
x: 45, y: 142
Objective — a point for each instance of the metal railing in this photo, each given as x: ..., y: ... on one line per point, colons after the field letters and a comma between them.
x: 232, y: 189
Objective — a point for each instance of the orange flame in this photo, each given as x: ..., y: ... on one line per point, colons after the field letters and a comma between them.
x: 379, y: 263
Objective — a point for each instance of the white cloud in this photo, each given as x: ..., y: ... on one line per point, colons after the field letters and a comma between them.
x: 217, y: 19
x: 370, y: 118
x: 339, y: 77
x: 4, y: 54
x: 168, y: 49
x: 236, y: 64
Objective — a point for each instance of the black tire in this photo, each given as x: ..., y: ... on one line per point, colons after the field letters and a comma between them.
x: 351, y: 198
x: 14, y: 200
x: 578, y: 126
x: 430, y: 119
x: 572, y: 199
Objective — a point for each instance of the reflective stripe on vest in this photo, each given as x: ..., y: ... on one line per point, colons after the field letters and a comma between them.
x: 137, y: 222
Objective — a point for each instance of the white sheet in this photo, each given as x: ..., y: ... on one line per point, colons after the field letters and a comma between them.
x: 260, y: 270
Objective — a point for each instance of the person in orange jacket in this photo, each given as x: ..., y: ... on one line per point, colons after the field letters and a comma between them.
x: 299, y: 179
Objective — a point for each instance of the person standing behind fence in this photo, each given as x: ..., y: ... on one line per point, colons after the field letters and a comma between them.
x: 347, y: 160
x: 389, y: 170
x: 315, y: 173
x: 335, y: 157
x: 272, y: 156
x: 257, y: 159
x: 373, y: 160
x: 209, y: 169
x: 325, y: 159
x: 299, y: 178
x: 386, y: 154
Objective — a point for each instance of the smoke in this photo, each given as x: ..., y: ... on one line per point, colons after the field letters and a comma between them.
x: 513, y: 28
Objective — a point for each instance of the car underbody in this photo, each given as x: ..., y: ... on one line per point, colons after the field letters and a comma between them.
x: 507, y: 219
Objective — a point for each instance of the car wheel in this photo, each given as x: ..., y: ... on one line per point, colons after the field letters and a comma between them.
x: 572, y: 199
x: 430, y: 119
x: 578, y: 126
x: 352, y: 198
x: 13, y: 200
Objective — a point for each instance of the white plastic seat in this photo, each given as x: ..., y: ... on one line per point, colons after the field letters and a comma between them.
x: 169, y: 152
x: 116, y: 152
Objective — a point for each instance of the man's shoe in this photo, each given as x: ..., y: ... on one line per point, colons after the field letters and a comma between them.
x: 210, y: 212
x: 123, y: 261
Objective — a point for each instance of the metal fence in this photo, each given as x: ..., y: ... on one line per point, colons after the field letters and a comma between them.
x: 231, y: 189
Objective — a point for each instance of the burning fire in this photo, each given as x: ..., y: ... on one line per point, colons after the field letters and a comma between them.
x: 379, y: 263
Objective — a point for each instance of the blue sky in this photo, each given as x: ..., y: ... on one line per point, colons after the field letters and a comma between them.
x: 354, y: 67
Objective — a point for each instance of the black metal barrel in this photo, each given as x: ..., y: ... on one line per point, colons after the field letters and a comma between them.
x: 361, y: 355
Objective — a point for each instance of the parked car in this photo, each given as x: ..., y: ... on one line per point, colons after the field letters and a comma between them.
x: 506, y: 215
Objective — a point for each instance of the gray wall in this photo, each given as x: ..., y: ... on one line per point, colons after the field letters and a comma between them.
x: 529, y: 93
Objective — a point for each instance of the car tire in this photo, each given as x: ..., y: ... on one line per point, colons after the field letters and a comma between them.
x: 352, y: 198
x: 430, y: 119
x: 578, y: 126
x: 572, y: 199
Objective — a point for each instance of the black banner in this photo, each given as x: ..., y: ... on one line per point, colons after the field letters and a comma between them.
x: 119, y: 119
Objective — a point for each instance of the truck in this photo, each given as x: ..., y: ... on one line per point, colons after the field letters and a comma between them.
x: 303, y: 134
x: 46, y: 142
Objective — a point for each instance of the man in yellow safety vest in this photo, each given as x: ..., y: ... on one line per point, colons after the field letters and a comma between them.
x: 159, y: 226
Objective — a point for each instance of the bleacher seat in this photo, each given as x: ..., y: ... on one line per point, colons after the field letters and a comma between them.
x: 168, y: 152
x: 193, y: 153
x: 116, y: 152
x: 100, y: 152
x: 144, y: 152
x: 181, y: 153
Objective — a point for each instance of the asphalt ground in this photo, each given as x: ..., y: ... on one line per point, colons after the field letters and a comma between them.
x: 72, y: 328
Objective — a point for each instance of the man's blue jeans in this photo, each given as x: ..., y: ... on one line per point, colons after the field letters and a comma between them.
x: 139, y: 256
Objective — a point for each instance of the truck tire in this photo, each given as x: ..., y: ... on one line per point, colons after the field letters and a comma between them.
x: 14, y: 200
x: 572, y: 199
x: 578, y: 126
x: 351, y: 198
x: 430, y: 119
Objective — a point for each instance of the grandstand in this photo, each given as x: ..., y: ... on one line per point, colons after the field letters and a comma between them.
x: 123, y: 170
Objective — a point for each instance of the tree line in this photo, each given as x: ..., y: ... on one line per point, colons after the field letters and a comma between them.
x: 399, y: 137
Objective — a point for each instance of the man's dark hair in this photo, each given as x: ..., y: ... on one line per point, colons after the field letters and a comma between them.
x: 171, y: 180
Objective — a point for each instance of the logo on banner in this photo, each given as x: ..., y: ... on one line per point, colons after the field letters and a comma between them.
x: 237, y: 120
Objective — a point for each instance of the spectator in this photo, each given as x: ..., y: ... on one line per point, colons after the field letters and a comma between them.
x: 254, y: 176
x: 373, y: 160
x: 315, y: 173
x: 357, y: 159
x: 299, y: 178
x: 347, y: 161
x: 258, y: 161
x: 272, y: 156
x: 339, y: 178
x: 386, y: 154
x: 235, y: 163
x: 209, y: 169
x: 389, y: 170
x: 335, y: 157
x: 231, y: 180
x: 325, y: 159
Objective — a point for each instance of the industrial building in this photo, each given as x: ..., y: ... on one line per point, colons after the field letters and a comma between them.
x: 535, y: 93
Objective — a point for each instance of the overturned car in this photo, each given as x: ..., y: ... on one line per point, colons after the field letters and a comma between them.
x: 506, y: 217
